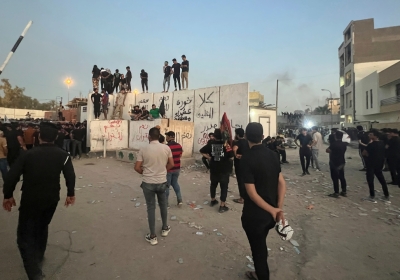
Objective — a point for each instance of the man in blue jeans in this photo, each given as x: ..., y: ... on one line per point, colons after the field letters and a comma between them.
x: 153, y: 161
x: 173, y: 173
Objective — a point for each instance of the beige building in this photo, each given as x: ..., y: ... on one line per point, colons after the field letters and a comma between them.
x: 334, y: 105
x: 365, y: 50
x: 255, y: 98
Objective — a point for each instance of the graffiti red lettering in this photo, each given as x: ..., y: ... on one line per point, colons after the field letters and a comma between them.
x: 203, y: 140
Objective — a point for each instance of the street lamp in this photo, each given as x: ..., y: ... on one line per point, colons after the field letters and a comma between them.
x: 331, y: 105
x: 68, y: 82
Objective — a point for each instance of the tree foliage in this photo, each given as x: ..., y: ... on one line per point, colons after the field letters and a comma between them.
x: 322, y: 110
x: 15, y: 98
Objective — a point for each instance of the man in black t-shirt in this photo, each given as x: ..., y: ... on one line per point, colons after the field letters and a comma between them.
x: 167, y: 75
x: 128, y: 78
x: 280, y: 149
x: 305, y: 149
x: 204, y: 159
x: 135, y: 113
x: 240, y: 147
x: 363, y: 141
x: 117, y: 79
x: 263, y: 199
x: 96, y: 76
x: 331, y: 137
x: 375, y: 160
x: 185, y: 72
x: 77, y: 136
x: 144, y: 80
x: 220, y: 155
x: 393, y: 156
x: 336, y: 151
x: 176, y: 67
x: 145, y: 114
x: 96, y: 100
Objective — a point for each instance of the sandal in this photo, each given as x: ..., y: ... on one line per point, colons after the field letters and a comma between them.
x: 251, y: 275
x: 238, y: 200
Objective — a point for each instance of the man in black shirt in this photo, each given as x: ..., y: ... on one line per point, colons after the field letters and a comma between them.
x: 393, y: 156
x: 185, y: 72
x: 280, y: 149
x: 144, y: 80
x: 375, y: 160
x: 176, y: 67
x: 336, y: 151
x: 77, y: 136
x: 305, y: 149
x: 240, y: 147
x: 41, y: 168
x: 331, y: 137
x: 128, y: 78
x: 15, y: 142
x: 135, y: 113
x: 144, y: 114
x: 167, y: 75
x: 204, y: 159
x: 60, y: 137
x: 363, y: 141
x: 96, y: 100
x: 117, y: 79
x: 220, y: 155
x: 263, y: 199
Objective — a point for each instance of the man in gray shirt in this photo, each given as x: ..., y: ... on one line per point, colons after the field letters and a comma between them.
x: 316, y: 146
x: 153, y: 161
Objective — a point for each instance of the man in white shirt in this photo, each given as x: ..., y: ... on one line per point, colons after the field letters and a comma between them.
x: 316, y: 146
x: 153, y: 161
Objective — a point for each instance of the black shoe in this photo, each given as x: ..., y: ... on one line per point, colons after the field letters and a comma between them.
x: 285, y: 161
x: 334, y: 195
x: 392, y: 183
x: 364, y: 169
x: 308, y: 173
x: 213, y: 202
x: 223, y: 209
x: 304, y: 174
x: 344, y: 194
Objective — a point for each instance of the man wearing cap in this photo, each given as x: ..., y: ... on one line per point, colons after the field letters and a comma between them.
x: 220, y: 155
x: 41, y: 168
x: 128, y: 78
x: 117, y: 79
x: 167, y: 70
x: 176, y: 67
x: 173, y: 173
x: 263, y: 199
x: 144, y: 80
x: 185, y: 72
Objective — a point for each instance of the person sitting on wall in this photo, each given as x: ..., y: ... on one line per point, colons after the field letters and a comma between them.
x: 154, y: 112
x: 145, y: 114
x: 135, y: 113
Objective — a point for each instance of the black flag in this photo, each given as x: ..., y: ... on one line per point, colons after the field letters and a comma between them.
x: 162, y: 108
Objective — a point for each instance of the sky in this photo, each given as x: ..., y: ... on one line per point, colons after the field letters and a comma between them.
x: 226, y: 42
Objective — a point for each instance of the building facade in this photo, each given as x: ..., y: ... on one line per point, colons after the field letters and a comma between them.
x: 334, y: 105
x: 364, y: 51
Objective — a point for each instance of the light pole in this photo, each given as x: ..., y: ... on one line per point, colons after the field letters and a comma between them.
x: 331, y: 105
x: 68, y: 82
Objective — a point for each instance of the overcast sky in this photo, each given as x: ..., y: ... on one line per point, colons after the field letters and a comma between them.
x: 226, y: 42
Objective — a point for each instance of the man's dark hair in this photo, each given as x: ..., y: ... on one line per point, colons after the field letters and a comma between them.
x: 394, y: 130
x: 136, y: 106
x: 273, y: 138
x: 375, y: 133
x: 48, y: 132
x: 304, y: 129
x: 153, y: 105
x: 183, y: 56
x: 210, y: 134
x: 218, y: 134
x: 339, y: 135
x: 154, y: 133
x: 127, y: 67
x: 174, y: 59
x: 314, y: 128
x: 360, y: 128
x: 239, y: 132
x: 170, y: 134
x: 254, y: 132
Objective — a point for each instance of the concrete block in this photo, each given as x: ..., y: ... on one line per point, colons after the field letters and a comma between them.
x: 126, y: 155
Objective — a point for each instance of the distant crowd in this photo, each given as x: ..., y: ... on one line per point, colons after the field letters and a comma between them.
x: 293, y: 118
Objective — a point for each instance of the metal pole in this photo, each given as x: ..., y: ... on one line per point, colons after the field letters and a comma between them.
x: 15, y: 46
x: 276, y: 106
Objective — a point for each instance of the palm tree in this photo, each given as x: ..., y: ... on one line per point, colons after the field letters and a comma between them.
x: 322, y: 110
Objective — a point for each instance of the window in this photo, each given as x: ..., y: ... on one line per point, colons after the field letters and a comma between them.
x: 348, y: 54
x: 349, y: 101
x: 366, y: 95
x: 398, y: 90
x: 347, y: 35
x: 348, y: 78
x: 371, y: 98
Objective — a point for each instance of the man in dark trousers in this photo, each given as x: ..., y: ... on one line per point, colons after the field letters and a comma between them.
x: 204, y: 159
x: 185, y: 72
x: 240, y: 147
x: 375, y: 160
x: 144, y: 77
x: 176, y: 67
x: 393, y: 150
x: 117, y: 79
x: 363, y: 141
x: 128, y: 78
x: 263, y: 199
x: 41, y: 168
x: 96, y: 100
x: 220, y: 155
x: 336, y: 151
x: 305, y: 149
x: 15, y: 142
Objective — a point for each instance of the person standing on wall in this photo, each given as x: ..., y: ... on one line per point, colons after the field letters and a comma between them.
x: 375, y: 160
x: 128, y: 78
x: 109, y: 84
x: 117, y: 80
x: 95, y: 77
x: 152, y: 162
x: 185, y: 72
x: 104, y: 103
x: 173, y: 173
x: 167, y: 70
x: 363, y: 141
x: 316, y: 146
x: 96, y: 100
x: 305, y: 150
x: 221, y: 156
x: 336, y: 151
x: 263, y: 199
x: 144, y: 81
x: 240, y: 147
x: 119, y: 105
x: 104, y: 78
x: 176, y: 67
x: 41, y: 168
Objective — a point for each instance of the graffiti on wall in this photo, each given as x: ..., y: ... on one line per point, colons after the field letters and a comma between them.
x: 184, y: 110
x: 112, y: 131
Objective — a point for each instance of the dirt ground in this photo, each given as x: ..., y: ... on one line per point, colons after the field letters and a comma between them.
x: 102, y: 236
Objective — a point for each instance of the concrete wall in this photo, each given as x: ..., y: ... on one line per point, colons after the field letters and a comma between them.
x: 168, y: 102
x: 115, y: 131
x: 366, y: 85
x: 139, y: 133
x: 183, y: 106
x: 12, y: 113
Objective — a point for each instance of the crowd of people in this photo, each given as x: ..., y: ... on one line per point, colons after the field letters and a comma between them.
x: 104, y: 79
x: 293, y: 118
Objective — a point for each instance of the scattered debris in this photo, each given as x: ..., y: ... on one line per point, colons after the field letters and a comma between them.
x: 199, y: 233
x: 281, y: 248
x: 333, y: 215
x: 205, y: 202
x: 137, y: 204
x: 310, y: 207
x: 73, y: 231
x: 296, y: 249
x: 363, y: 214
x: 294, y: 243
x: 362, y: 209
x: 215, y: 229
x: 133, y: 199
x: 250, y: 259
x: 180, y: 260
x: 219, y: 234
x: 80, y: 177
x: 173, y: 218
x: 376, y: 210
x: 251, y: 266
x: 90, y: 185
